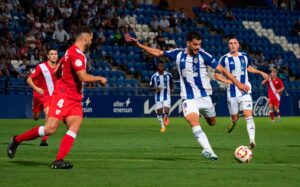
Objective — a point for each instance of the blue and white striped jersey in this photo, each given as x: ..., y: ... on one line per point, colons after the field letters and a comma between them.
x: 237, y: 66
x: 194, y: 80
x: 165, y: 82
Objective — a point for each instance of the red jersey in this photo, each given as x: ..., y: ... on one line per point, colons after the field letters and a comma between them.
x: 43, y: 77
x: 69, y: 84
x: 277, y: 84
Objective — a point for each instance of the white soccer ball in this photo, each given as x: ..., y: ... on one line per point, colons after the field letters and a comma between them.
x: 243, y: 154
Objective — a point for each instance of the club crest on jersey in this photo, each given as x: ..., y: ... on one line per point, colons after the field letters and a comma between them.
x: 78, y: 63
x: 195, y: 60
x: 57, y: 112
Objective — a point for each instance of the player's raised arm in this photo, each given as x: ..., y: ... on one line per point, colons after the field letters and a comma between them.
x: 85, y: 77
x: 240, y: 86
x: 253, y: 70
x: 153, y: 51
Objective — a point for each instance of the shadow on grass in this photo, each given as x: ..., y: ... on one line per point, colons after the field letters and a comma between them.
x: 30, y: 163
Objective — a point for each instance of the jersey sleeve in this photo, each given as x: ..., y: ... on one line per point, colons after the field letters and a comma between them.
x: 171, y: 54
x: 36, y: 72
x: 78, y: 62
x: 222, y: 61
x: 151, y: 84
x: 209, y: 60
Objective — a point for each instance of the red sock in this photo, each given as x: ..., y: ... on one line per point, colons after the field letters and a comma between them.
x: 45, y: 138
x: 272, y: 115
x: 28, y: 135
x: 65, y: 146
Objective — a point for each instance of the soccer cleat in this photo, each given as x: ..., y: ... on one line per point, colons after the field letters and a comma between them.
x: 163, y: 129
x: 43, y: 143
x: 12, y: 147
x: 231, y: 126
x: 166, y: 121
x: 60, y: 164
x: 209, y: 154
x: 252, y: 145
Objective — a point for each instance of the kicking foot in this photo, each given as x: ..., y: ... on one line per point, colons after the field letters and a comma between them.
x: 60, y: 164
x: 252, y: 145
x: 12, y: 147
x: 209, y: 154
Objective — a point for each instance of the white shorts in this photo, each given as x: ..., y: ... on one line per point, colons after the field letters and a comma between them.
x: 203, y: 105
x: 161, y: 104
x: 236, y: 104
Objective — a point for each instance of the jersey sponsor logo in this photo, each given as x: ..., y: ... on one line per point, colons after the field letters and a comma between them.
x: 78, y: 63
x: 122, y: 107
x: 261, y: 107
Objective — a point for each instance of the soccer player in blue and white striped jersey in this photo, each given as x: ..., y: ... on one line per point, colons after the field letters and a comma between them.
x: 238, y: 64
x: 195, y: 86
x: 162, y: 83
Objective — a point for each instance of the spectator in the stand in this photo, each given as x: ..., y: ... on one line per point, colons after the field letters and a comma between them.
x: 278, y: 63
x: 22, y: 70
x: 154, y: 24
x: 204, y: 6
x: 173, y: 22
x: 160, y: 40
x: 30, y: 40
x: 283, y: 5
x: 164, y: 24
x: 30, y: 16
x: 100, y: 36
x: 118, y: 37
x: 271, y: 65
x: 296, y: 29
x: 123, y: 21
x: 214, y: 6
x: 60, y: 35
x: 229, y: 15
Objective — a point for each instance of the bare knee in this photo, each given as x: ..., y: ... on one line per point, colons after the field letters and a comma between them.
x: 49, y: 130
x: 211, y: 121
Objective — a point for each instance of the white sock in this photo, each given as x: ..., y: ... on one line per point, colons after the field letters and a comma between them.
x: 251, y: 128
x: 41, y: 131
x: 201, y: 137
x: 161, y: 121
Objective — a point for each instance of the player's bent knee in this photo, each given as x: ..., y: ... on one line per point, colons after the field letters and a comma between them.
x: 211, y: 121
x: 50, y: 130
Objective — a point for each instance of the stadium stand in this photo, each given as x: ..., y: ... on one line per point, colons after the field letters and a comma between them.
x: 266, y: 34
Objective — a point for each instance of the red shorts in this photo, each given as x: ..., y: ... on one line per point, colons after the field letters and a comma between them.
x: 274, y: 102
x: 40, y: 103
x: 62, y: 107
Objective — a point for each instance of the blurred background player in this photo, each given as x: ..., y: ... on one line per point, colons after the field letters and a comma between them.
x: 238, y: 64
x: 162, y: 83
x: 66, y: 100
x: 42, y: 81
x: 275, y: 89
x: 195, y: 85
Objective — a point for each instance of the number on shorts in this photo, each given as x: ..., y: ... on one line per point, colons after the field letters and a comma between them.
x: 60, y: 103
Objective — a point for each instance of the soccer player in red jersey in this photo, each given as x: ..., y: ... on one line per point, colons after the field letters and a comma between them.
x: 66, y: 100
x: 42, y: 81
x: 275, y: 89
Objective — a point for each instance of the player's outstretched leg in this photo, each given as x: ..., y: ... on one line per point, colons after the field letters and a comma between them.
x: 234, y: 120
x: 12, y: 147
x: 251, y: 131
x: 64, y: 149
x: 161, y: 122
x: 26, y: 136
x: 203, y: 141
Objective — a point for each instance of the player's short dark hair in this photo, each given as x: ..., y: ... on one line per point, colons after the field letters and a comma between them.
x: 232, y: 37
x: 191, y: 35
x: 51, y: 49
x: 160, y: 62
x: 83, y: 29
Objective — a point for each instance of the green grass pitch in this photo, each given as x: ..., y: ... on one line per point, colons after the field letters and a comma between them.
x: 132, y: 152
